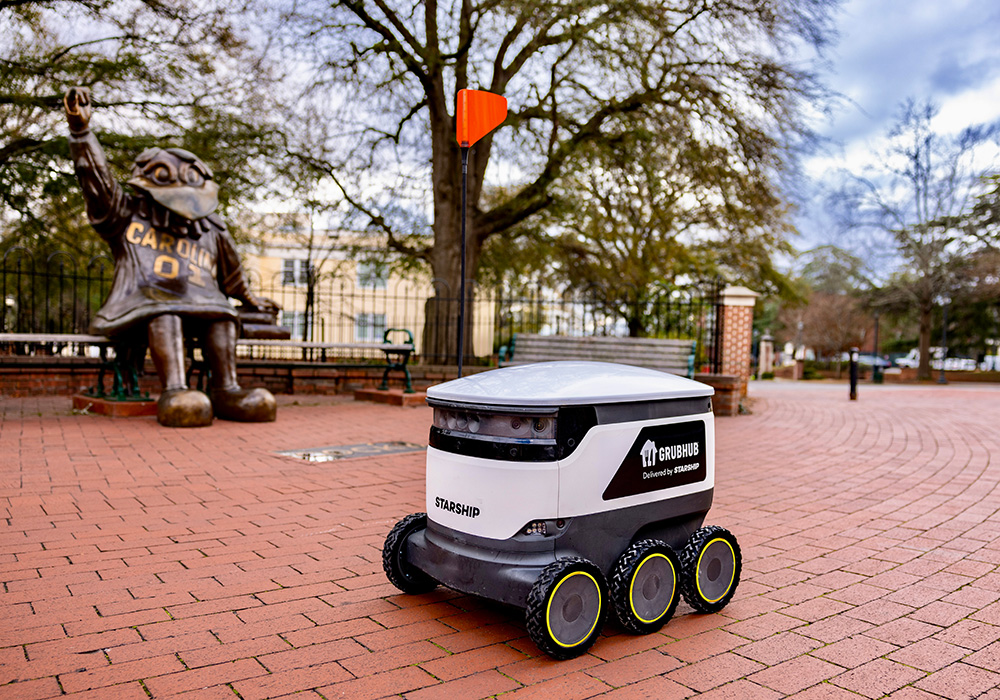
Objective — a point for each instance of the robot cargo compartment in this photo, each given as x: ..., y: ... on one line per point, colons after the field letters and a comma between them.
x: 616, y: 466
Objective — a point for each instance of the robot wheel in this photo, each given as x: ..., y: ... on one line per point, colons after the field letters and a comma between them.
x: 398, y: 569
x: 711, y: 562
x: 566, y: 607
x: 644, y: 586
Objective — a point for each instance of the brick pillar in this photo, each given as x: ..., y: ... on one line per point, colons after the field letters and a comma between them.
x: 737, y: 333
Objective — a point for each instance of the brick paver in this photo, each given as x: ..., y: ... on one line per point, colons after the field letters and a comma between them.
x: 139, y: 561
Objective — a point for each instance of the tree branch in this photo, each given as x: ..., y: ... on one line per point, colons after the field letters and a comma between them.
x: 375, y: 218
x: 534, y: 197
x: 411, y: 62
x: 19, y: 147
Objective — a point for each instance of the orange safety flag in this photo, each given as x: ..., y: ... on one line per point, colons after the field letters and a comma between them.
x: 477, y: 114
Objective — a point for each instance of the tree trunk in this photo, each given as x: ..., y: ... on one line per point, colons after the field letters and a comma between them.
x: 635, y: 325
x: 309, y: 313
x: 441, y: 343
x: 924, y: 344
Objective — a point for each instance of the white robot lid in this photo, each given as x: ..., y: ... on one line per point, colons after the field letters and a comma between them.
x: 567, y: 383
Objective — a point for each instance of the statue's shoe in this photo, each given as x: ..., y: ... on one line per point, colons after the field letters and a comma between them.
x: 246, y: 405
x: 183, y: 408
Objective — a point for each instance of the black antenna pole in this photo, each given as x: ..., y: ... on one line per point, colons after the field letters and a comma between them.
x: 461, y: 301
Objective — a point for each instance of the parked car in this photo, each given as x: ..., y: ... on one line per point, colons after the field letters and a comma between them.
x: 866, y: 360
x: 951, y: 364
x: 873, y: 360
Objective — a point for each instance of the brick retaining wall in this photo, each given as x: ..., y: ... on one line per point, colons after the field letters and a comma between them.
x: 909, y: 374
x: 906, y: 375
x: 48, y: 376
x: 67, y: 376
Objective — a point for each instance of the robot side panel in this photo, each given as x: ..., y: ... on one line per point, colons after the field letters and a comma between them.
x: 628, y: 464
x: 489, y: 498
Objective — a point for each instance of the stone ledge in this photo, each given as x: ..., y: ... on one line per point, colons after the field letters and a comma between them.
x: 393, y: 397
x: 113, y: 409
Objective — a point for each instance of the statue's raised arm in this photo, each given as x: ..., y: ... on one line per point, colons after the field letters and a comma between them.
x: 105, y: 198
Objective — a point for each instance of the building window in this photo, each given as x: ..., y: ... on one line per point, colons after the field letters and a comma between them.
x: 295, y: 272
x: 295, y: 320
x: 369, y: 326
x: 373, y: 274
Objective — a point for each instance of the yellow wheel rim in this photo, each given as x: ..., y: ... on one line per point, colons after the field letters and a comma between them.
x: 698, y: 570
x: 555, y: 594
x: 673, y: 587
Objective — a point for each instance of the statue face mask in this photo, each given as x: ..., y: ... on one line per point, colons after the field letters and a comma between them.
x: 178, y: 180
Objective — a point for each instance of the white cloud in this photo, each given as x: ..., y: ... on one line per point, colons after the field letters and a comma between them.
x: 890, y: 51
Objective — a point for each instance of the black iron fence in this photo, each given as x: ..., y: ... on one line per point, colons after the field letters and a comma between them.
x: 691, y: 312
x: 58, y: 294
x: 55, y: 294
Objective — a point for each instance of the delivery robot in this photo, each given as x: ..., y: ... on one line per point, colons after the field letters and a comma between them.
x: 568, y: 489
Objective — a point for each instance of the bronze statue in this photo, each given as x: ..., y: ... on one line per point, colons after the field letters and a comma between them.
x: 175, y: 267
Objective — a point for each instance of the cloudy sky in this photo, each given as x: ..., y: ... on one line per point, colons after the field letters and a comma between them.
x: 889, y: 50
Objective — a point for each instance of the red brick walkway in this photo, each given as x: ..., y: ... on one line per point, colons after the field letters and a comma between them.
x: 139, y: 561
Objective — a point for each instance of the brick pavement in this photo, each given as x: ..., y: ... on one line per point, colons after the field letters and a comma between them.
x: 139, y: 561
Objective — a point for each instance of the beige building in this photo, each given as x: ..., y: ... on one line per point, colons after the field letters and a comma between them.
x: 357, y: 293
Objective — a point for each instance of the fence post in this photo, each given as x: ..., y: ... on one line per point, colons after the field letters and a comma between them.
x: 765, y: 355
x: 737, y: 333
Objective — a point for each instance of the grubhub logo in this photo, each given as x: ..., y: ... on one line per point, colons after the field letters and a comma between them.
x: 661, y: 457
x: 652, y: 454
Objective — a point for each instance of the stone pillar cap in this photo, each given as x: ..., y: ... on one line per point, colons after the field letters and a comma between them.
x: 738, y: 296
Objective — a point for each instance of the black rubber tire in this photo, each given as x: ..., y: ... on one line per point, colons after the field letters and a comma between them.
x: 712, y: 563
x: 400, y: 572
x: 654, y: 565
x: 586, y: 589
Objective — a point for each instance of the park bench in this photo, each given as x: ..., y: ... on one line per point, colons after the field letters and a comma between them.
x: 125, y: 379
x: 397, y: 355
x: 308, y: 354
x: 666, y: 355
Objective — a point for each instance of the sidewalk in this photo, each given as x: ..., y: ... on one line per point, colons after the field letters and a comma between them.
x: 139, y: 561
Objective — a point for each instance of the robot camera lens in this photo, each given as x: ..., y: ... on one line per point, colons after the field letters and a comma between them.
x: 538, y: 425
x: 515, y: 424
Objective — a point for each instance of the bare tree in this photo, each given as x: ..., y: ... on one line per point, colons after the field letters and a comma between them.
x: 916, y: 203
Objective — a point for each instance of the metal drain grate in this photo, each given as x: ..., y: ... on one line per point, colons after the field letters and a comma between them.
x: 330, y: 454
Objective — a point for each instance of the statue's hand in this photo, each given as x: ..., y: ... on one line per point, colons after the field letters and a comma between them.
x: 77, y: 105
x: 265, y: 305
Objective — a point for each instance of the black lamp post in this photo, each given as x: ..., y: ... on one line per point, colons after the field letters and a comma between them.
x: 944, y: 337
x: 876, y: 357
x: 854, y: 374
